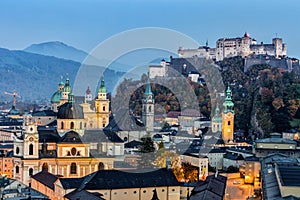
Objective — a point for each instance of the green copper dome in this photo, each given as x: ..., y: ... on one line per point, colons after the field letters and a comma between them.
x: 56, y: 97
x: 67, y: 87
x: 102, y: 88
x: 217, y: 117
x: 228, y: 104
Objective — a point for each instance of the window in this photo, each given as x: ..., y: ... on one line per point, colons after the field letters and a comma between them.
x: 45, y: 167
x: 100, y: 166
x: 17, y: 169
x: 31, y: 149
x: 103, y: 108
x: 80, y: 125
x: 73, y: 168
x: 72, y: 125
x: 228, y: 123
x: 62, y: 125
x: 30, y: 172
x: 17, y: 150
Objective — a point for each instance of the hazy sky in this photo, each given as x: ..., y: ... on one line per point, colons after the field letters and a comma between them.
x: 84, y: 24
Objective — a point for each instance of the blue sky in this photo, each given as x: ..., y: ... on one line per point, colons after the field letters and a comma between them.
x: 84, y: 24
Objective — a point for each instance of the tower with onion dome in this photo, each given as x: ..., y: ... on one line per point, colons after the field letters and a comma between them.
x: 102, y: 106
x: 148, y: 107
x: 228, y: 118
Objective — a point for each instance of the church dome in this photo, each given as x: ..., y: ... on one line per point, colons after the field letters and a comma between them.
x: 56, y: 97
x: 70, y: 110
x: 102, y: 88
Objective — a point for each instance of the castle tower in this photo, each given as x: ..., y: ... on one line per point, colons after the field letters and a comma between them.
x: 102, y: 106
x: 277, y: 42
x: 148, y: 107
x: 228, y: 118
x: 216, y: 123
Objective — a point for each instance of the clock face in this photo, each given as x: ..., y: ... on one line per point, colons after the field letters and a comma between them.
x: 150, y: 96
x: 31, y: 139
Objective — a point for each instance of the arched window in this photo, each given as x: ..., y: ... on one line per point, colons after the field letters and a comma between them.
x: 17, y: 169
x: 100, y: 166
x: 103, y: 108
x: 80, y: 125
x: 30, y: 172
x: 228, y: 123
x: 149, y: 108
x: 45, y: 167
x: 72, y: 125
x: 17, y: 150
x: 73, y: 168
x: 62, y: 125
x: 31, y: 149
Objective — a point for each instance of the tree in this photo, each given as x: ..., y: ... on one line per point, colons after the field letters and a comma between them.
x: 147, y: 152
x: 190, y: 172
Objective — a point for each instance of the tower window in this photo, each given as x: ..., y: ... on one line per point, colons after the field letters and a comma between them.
x: 228, y: 123
x: 149, y: 108
x: 62, y: 125
x: 80, y: 125
x: 17, y: 169
x: 103, y: 108
x: 17, y: 150
x: 31, y: 149
x: 73, y: 168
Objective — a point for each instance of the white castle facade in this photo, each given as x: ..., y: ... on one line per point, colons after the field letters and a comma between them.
x: 239, y: 46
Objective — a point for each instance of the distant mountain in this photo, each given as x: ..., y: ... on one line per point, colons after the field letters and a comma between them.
x: 36, y: 77
x: 57, y: 49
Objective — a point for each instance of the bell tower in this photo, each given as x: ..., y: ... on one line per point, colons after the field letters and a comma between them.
x: 31, y: 140
x: 148, y: 107
x: 228, y: 118
x: 102, y: 106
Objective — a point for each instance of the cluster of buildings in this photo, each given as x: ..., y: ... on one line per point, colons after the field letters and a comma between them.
x: 77, y: 151
x: 273, y: 54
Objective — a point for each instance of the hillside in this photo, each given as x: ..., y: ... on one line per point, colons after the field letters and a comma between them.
x: 57, y: 49
x: 34, y: 76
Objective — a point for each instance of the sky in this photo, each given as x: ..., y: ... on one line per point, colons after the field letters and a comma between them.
x: 84, y: 24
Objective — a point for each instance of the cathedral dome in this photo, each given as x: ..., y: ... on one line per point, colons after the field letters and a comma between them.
x: 56, y: 97
x: 70, y: 110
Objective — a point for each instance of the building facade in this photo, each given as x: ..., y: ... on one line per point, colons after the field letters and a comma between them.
x: 239, y: 46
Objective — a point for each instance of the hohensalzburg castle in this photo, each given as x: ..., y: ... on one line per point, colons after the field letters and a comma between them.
x: 239, y: 46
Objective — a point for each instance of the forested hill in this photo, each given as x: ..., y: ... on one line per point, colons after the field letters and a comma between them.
x: 266, y: 99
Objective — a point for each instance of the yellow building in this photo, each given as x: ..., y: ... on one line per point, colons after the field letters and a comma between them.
x: 81, y: 116
x: 42, y: 148
x: 228, y: 118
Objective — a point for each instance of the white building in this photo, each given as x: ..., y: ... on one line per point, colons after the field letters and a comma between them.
x: 239, y: 46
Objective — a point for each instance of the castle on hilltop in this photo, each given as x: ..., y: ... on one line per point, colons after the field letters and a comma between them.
x: 239, y: 46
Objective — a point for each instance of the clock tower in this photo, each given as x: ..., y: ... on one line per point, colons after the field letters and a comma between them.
x: 228, y: 118
x: 148, y: 107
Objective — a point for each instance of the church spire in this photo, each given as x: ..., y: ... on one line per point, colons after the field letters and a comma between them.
x: 102, y: 88
x: 228, y: 104
x: 148, y: 86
